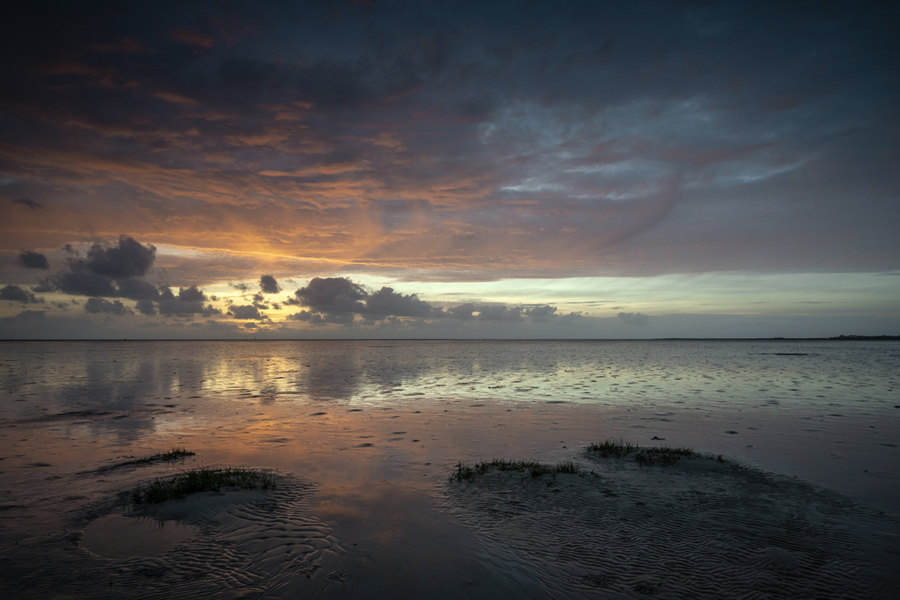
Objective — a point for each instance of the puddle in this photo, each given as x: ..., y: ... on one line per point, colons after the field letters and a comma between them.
x: 118, y: 536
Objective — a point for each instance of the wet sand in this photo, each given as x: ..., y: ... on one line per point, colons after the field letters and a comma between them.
x: 365, y: 507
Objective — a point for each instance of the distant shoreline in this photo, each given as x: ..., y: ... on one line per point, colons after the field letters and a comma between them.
x: 842, y: 338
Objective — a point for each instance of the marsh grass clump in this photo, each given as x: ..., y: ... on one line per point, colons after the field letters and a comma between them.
x: 532, y: 467
x: 201, y: 480
x: 173, y: 454
x: 643, y: 455
x: 567, y: 466
x: 614, y: 448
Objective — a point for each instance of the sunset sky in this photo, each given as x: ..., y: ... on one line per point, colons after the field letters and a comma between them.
x: 377, y: 169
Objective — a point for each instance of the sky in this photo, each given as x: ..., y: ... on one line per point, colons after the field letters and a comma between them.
x: 378, y: 169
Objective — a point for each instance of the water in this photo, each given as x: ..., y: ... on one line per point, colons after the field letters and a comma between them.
x: 115, y: 375
x: 373, y: 428
x: 819, y: 409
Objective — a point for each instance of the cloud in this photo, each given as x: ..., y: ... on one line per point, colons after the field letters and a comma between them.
x: 99, y: 305
x: 542, y: 314
x: 146, y: 307
x: 633, y: 318
x: 509, y: 314
x: 245, y: 312
x: 33, y: 260
x: 14, y: 293
x: 333, y: 295
x: 32, y: 204
x: 116, y: 271
x: 26, y: 316
x: 269, y: 285
x: 305, y: 316
x: 259, y: 301
x: 127, y: 258
x: 188, y: 301
x: 548, y: 143
x: 338, y: 299
x: 462, y: 311
x: 386, y: 302
x: 345, y: 319
x: 105, y: 265
x: 137, y: 289
x: 80, y: 281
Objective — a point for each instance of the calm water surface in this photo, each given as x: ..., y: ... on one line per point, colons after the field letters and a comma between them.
x: 823, y: 410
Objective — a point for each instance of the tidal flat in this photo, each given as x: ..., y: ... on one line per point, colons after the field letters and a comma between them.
x: 361, y: 440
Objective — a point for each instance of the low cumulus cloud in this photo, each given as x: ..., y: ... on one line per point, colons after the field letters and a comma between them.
x: 268, y: 285
x: 245, y: 312
x: 100, y: 305
x: 188, y: 301
x: 333, y: 295
x: 259, y: 301
x: 127, y: 258
x: 542, y: 314
x: 117, y: 271
x: 509, y: 314
x: 633, y: 318
x: 387, y: 302
x: 134, y: 288
x: 462, y: 311
x: 146, y: 307
x: 105, y: 264
x: 14, y: 293
x: 33, y: 260
x: 338, y: 300
x: 305, y: 316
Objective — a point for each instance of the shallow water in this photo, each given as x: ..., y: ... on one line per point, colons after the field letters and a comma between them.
x: 375, y: 428
x: 822, y: 410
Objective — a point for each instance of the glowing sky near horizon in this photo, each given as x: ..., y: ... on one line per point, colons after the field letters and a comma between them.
x: 655, y: 169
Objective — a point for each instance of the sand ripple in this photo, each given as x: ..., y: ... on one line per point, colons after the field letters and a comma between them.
x: 251, y: 544
x: 697, y: 530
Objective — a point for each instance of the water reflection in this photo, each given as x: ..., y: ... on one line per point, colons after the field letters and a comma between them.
x: 129, y: 376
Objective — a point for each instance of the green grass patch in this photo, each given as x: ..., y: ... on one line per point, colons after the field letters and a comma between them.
x: 173, y: 454
x: 643, y: 455
x: 201, y: 480
x: 532, y: 467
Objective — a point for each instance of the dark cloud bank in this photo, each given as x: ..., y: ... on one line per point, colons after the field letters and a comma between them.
x: 742, y: 136
x: 117, y: 271
x: 33, y: 260
x: 111, y: 272
x: 14, y: 293
x: 338, y: 300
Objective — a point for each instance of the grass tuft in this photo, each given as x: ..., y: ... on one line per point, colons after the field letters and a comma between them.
x: 200, y: 480
x: 614, y: 448
x: 173, y: 454
x: 532, y: 467
x: 643, y: 455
